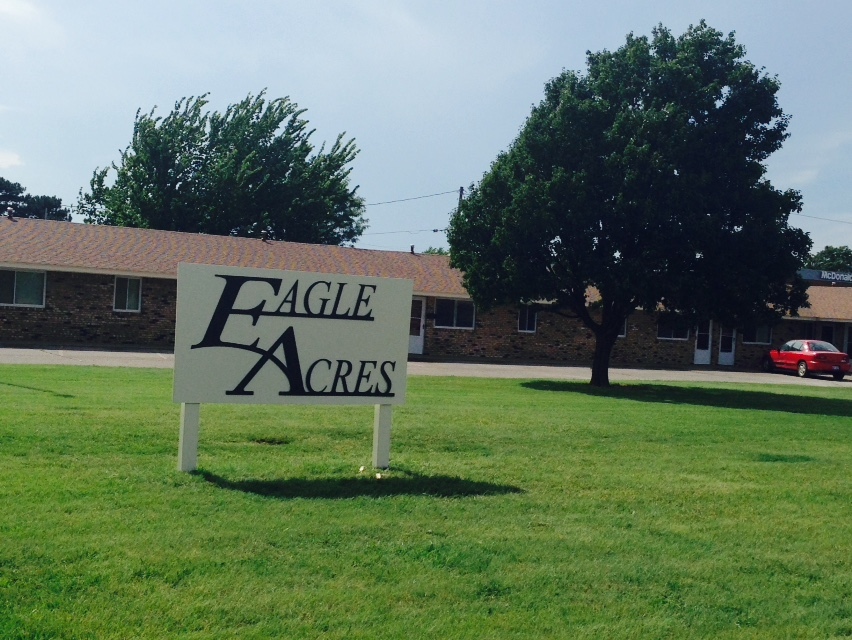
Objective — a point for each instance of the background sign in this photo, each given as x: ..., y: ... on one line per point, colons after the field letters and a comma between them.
x: 257, y: 336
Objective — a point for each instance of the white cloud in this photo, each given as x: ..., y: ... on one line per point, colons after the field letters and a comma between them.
x: 9, y: 159
x: 28, y: 26
x: 19, y: 10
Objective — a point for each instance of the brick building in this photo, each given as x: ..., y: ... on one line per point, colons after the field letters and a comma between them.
x: 66, y: 284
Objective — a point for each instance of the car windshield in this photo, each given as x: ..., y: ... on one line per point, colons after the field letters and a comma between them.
x: 817, y: 345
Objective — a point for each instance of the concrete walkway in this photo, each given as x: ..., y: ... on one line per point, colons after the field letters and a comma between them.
x: 165, y: 360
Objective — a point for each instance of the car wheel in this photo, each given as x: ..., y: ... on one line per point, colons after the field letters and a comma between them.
x: 839, y: 375
x: 802, y: 369
x: 767, y: 365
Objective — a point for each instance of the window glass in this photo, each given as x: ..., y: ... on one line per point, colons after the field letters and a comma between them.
x: 24, y: 288
x: 120, y: 293
x: 817, y: 345
x: 127, y: 294
x: 416, y: 319
x: 7, y: 287
x: 133, y: 297
x: 672, y: 328
x: 454, y: 314
x: 527, y: 317
x: 444, y: 313
x: 464, y: 314
x: 29, y: 288
x: 760, y: 334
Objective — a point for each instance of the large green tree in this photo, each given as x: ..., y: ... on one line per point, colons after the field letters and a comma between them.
x: 15, y: 197
x: 643, y: 179
x: 832, y: 259
x: 250, y: 171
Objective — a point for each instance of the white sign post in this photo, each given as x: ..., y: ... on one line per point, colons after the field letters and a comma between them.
x: 254, y: 336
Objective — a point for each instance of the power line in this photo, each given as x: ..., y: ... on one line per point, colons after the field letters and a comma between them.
x: 826, y: 219
x: 387, y: 233
x: 443, y: 193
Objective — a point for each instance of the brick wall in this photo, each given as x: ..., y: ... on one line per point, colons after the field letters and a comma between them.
x: 563, y: 340
x: 557, y: 339
x: 79, y: 311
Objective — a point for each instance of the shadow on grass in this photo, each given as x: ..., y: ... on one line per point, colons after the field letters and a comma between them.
x: 782, y: 457
x: 708, y: 397
x: 48, y: 391
x: 409, y: 484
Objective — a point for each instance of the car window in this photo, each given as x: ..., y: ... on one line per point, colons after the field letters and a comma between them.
x: 819, y: 345
x: 796, y: 345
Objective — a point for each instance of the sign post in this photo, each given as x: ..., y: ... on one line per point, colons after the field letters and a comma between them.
x: 190, y: 424
x: 254, y: 336
x: 382, y: 435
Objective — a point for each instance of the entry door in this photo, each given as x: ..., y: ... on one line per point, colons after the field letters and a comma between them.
x: 703, y: 338
x: 727, y: 345
x: 417, y: 327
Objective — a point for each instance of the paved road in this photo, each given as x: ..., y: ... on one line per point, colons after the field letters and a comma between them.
x: 165, y: 360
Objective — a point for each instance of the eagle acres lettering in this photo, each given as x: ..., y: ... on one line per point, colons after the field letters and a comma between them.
x: 320, y: 300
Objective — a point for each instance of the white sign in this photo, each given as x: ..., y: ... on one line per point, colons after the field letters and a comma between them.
x: 257, y: 336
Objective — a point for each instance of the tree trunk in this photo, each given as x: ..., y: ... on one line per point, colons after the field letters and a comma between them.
x: 600, y: 364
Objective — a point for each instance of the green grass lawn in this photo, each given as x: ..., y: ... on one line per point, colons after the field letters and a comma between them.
x: 513, y: 509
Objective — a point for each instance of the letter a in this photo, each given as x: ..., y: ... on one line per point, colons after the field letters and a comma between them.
x: 289, y: 366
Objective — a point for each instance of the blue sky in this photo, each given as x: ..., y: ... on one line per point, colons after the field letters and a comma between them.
x: 431, y: 90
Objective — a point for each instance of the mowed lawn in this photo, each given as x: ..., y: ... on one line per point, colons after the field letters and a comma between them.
x: 513, y: 509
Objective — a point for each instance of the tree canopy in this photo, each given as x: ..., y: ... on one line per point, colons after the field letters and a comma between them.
x: 250, y: 171
x: 14, y: 196
x: 832, y: 259
x: 643, y: 178
x: 436, y: 251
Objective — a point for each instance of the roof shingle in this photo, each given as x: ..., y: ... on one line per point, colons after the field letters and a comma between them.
x: 64, y: 246
x: 829, y: 304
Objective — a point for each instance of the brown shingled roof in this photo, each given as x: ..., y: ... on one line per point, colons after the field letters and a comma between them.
x: 829, y: 303
x: 65, y: 246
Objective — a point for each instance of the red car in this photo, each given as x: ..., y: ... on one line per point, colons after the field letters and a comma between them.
x: 808, y: 356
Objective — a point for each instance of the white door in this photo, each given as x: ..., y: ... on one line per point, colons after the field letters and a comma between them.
x: 417, y: 326
x: 703, y: 338
x: 727, y: 345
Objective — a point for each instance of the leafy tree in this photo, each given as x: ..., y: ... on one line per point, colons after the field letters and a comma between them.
x: 250, y: 171
x: 46, y: 207
x: 643, y: 180
x: 436, y: 251
x: 832, y: 259
x: 11, y: 195
x: 14, y: 196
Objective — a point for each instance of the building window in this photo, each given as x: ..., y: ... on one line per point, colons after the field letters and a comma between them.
x: 22, y: 288
x: 827, y: 333
x: 128, y: 294
x: 454, y: 314
x: 527, y: 319
x: 672, y: 328
x: 760, y: 334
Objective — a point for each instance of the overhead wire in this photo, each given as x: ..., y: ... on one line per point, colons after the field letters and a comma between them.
x: 804, y: 215
x: 431, y: 195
